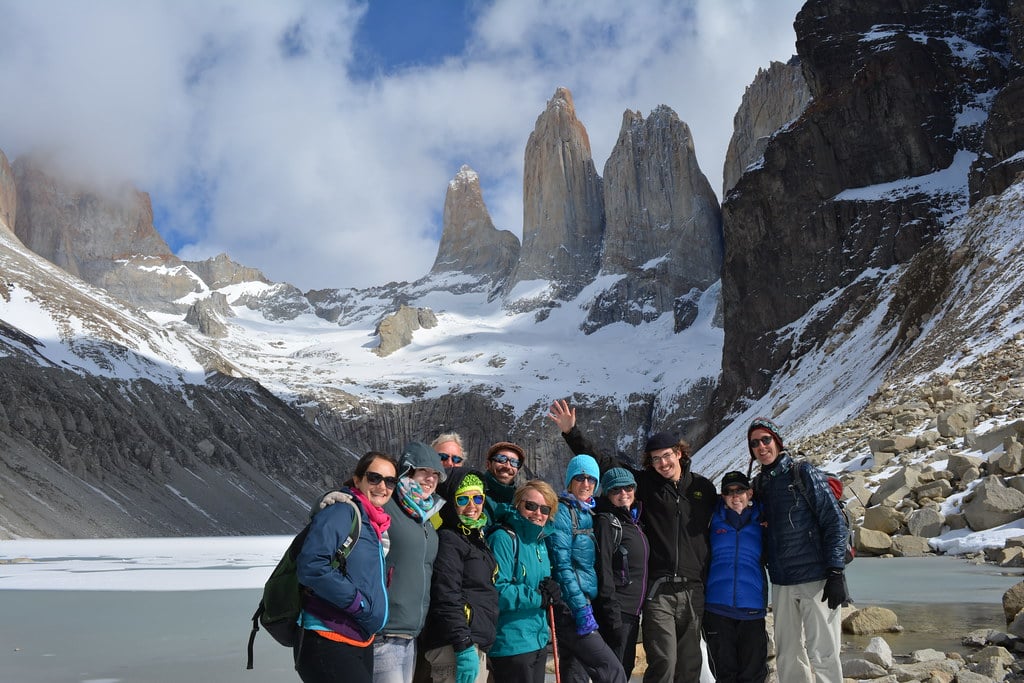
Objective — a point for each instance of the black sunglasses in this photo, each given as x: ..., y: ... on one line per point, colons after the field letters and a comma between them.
x: 585, y: 478
x: 628, y: 488
x: 376, y: 477
x: 456, y: 459
x: 764, y: 440
x: 533, y: 507
x: 477, y: 499
x: 504, y: 459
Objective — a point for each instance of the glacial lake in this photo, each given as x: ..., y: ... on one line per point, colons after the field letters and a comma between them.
x: 187, y: 615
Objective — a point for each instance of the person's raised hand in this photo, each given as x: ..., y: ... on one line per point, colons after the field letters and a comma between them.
x: 562, y: 415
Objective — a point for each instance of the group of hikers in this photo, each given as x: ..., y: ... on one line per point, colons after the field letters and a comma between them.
x: 459, y: 575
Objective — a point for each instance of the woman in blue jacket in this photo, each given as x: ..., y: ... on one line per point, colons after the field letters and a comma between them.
x: 519, y: 653
x: 346, y: 605
x: 737, y: 591
x: 582, y: 651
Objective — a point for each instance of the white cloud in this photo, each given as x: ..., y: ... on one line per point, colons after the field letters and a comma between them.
x: 243, y: 119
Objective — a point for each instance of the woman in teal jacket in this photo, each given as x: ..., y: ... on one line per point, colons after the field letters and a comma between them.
x: 582, y: 651
x: 519, y: 652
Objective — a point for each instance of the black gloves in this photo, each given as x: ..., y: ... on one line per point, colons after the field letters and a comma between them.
x: 550, y: 591
x: 835, y: 593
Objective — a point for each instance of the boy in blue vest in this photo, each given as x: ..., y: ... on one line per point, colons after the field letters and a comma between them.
x: 736, y: 596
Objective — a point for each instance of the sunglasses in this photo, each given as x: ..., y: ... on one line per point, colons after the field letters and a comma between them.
x: 533, y: 507
x: 628, y: 488
x: 376, y: 477
x: 456, y: 459
x: 763, y: 441
x: 477, y: 499
x: 584, y: 478
x: 734, y: 492
x: 506, y: 460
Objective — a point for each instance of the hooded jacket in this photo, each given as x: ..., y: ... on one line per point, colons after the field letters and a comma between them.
x: 522, y: 625
x: 353, y: 603
x: 410, y: 565
x: 802, y: 541
x: 675, y: 515
x: 463, y: 597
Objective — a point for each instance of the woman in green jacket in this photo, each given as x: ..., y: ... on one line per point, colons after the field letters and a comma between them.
x: 519, y: 653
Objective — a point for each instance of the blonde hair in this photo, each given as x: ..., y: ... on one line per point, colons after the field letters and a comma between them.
x: 541, y: 487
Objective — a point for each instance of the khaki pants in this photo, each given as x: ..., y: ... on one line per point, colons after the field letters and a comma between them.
x: 801, y: 616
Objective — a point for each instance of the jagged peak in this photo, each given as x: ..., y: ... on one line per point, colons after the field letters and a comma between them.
x: 465, y: 176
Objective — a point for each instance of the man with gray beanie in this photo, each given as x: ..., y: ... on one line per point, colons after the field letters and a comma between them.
x: 677, y: 506
x: 805, y: 544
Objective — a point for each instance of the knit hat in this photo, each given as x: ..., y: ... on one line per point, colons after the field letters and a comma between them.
x: 764, y: 423
x: 582, y: 464
x: 419, y: 455
x: 660, y: 441
x: 615, y: 478
x: 507, y: 446
x: 735, y: 479
x: 470, y: 482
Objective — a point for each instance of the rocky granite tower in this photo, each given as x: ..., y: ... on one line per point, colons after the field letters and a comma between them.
x: 469, y: 241
x: 777, y: 96
x: 563, y: 207
x: 8, y: 194
x: 662, y: 220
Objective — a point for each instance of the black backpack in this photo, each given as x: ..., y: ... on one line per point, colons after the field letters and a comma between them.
x: 836, y: 486
x: 279, y: 608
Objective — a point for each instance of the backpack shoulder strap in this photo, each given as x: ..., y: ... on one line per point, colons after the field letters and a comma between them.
x: 576, y: 530
x: 504, y: 526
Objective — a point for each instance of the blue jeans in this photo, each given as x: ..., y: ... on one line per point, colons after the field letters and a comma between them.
x: 394, y: 659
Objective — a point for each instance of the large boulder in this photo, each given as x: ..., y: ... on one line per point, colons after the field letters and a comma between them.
x: 926, y: 522
x: 896, y: 488
x: 910, y: 546
x: 883, y: 518
x: 870, y: 620
x: 872, y: 542
x: 396, y: 330
x: 992, y: 503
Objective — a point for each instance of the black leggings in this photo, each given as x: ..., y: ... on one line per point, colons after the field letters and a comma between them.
x: 525, y: 668
x: 319, y: 660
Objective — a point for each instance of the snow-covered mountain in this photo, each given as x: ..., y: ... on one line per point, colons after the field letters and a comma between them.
x: 871, y: 245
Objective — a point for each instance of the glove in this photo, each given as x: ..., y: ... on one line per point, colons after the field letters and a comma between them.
x: 467, y: 665
x: 585, y: 621
x: 835, y: 593
x: 550, y: 592
x: 334, y: 497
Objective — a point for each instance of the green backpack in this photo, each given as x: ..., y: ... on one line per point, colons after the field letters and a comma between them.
x: 279, y: 609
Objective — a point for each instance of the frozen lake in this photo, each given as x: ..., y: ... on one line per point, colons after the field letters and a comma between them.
x: 175, y: 610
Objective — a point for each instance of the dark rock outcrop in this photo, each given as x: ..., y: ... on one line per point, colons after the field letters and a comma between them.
x: 208, y: 315
x: 887, y: 86
x: 563, y: 208
x: 469, y: 241
x: 662, y: 222
x: 777, y: 96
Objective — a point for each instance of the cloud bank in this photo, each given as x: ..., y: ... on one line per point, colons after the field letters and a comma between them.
x: 258, y: 131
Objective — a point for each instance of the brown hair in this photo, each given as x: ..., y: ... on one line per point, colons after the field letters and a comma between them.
x: 681, y: 447
x: 363, y: 464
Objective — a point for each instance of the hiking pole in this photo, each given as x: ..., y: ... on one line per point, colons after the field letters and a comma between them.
x: 554, y: 641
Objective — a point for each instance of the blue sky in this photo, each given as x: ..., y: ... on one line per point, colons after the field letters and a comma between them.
x: 315, y: 139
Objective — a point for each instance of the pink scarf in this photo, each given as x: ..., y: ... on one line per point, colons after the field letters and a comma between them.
x: 379, y: 520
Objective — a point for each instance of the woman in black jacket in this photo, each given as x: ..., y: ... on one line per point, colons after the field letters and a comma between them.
x: 621, y: 565
x: 463, y: 612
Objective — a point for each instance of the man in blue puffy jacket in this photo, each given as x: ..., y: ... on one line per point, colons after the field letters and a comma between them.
x: 805, y: 544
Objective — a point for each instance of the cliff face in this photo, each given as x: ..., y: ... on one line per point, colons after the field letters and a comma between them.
x: 107, y: 241
x: 8, y: 195
x: 777, y: 96
x: 469, y: 241
x: 888, y: 81
x: 563, y: 207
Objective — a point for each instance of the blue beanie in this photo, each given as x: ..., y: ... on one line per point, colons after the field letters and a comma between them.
x: 582, y: 464
x: 616, y: 477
